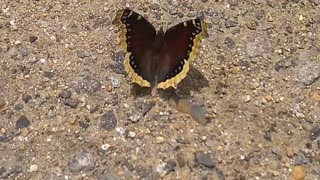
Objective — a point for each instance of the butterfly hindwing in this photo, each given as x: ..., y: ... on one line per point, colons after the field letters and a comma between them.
x: 181, y: 43
x: 137, y: 36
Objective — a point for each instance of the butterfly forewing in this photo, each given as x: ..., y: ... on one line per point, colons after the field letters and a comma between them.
x: 139, y: 35
x: 181, y: 43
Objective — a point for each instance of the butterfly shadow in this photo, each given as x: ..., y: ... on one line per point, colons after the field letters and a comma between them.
x: 194, y: 81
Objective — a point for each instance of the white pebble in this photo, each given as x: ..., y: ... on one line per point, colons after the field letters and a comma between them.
x: 131, y: 134
x: 105, y: 147
x: 33, y: 168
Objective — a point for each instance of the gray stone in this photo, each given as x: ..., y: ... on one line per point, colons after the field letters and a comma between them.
x: 230, y: 24
x: 204, y: 160
x: 298, y: 160
x: 314, y: 133
x: 308, y: 72
x: 65, y: 94
x: 82, y: 162
x: 256, y: 46
x: 86, y: 82
x: 73, y: 103
x: 48, y: 74
x: 108, y: 121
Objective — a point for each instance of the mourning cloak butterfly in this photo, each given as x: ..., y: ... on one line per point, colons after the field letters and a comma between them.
x: 159, y: 59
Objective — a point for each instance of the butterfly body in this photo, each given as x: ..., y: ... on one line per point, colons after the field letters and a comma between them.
x: 159, y: 59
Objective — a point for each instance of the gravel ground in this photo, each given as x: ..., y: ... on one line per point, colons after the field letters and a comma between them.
x: 67, y: 110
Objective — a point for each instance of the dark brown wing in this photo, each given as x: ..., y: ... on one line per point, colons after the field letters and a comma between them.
x: 180, y: 46
x: 137, y: 36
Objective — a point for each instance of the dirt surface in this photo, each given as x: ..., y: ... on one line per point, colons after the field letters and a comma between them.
x: 67, y: 110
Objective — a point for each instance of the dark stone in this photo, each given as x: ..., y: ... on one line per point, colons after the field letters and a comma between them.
x: 73, y: 103
x: 32, y: 38
x: 26, y: 98
x: 48, y: 74
x: 169, y: 167
x: 22, y: 122
x: 65, y: 94
x: 155, y: 6
x: 229, y: 23
x: 289, y: 29
x: 108, y: 121
x: 314, y: 133
x: 82, y: 162
x: 230, y: 43
x: 284, y: 64
x: 18, y: 107
x: 83, y: 124
x: 204, y: 160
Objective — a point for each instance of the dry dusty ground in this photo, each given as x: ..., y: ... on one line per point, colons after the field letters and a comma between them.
x: 69, y: 112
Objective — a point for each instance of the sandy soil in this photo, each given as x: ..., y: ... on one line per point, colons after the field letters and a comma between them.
x: 67, y: 110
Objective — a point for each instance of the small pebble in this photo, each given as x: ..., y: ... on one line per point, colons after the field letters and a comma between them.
x: 32, y: 38
x: 105, y: 147
x: 73, y: 103
x: 115, y: 82
x: 298, y: 160
x: 290, y: 152
x: 299, y: 172
x: 65, y: 94
x: 23, y: 51
x: 229, y: 23
x: 134, y: 118
x: 26, y: 98
x: 246, y: 98
x: 131, y: 134
x: 83, y: 54
x: 82, y: 162
x: 169, y: 166
x: 22, y: 122
x: 160, y: 140
x: 314, y: 133
x: 33, y: 168
x: 108, y: 121
x: 48, y: 74
x: 204, y: 159
x: 18, y: 107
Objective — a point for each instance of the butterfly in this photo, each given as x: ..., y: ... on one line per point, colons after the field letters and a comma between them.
x: 158, y: 59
